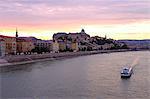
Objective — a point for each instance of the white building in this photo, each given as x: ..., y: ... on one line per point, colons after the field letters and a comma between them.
x: 55, y: 46
x: 2, y: 47
x: 44, y: 45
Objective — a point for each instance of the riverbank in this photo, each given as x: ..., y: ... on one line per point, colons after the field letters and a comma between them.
x: 24, y: 59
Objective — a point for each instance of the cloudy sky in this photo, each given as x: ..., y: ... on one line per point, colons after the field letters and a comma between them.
x: 118, y: 19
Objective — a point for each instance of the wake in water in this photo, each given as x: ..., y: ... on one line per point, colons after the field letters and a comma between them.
x: 126, y: 72
x: 135, y: 62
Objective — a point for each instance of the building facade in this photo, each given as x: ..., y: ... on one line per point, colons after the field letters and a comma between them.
x: 2, y: 47
x: 74, y: 46
x: 10, y: 42
x: 43, y: 45
x: 62, y: 46
x: 55, y: 46
x: 24, y: 46
x: 79, y: 37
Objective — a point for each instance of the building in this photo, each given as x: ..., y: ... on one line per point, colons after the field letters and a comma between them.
x: 84, y: 42
x: 24, y: 46
x: 60, y: 36
x: 55, y: 46
x: 69, y: 45
x: 62, y: 45
x: 2, y: 47
x: 43, y: 45
x: 71, y: 41
x: 40, y: 45
x: 107, y: 46
x: 74, y: 46
x: 10, y: 42
x: 79, y: 37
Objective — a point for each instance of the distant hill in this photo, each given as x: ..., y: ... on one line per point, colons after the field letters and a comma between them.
x: 141, y: 44
x: 147, y: 41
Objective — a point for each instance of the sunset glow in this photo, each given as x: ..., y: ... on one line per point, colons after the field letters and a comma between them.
x: 127, y: 19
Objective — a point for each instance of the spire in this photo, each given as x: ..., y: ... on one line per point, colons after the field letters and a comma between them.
x: 16, y: 32
x: 105, y: 36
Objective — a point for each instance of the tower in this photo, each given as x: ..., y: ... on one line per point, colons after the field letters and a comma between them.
x: 16, y: 32
x: 105, y: 36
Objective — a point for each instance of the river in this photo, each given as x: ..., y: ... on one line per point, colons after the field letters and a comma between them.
x: 84, y: 77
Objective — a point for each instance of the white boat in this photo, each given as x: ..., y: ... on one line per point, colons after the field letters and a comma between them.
x: 126, y: 72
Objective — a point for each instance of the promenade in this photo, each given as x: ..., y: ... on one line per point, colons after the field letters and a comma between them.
x: 23, y: 59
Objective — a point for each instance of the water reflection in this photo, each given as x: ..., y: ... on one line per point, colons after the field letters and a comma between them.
x: 18, y: 68
x: 86, y: 77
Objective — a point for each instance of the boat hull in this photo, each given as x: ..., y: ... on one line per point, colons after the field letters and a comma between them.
x: 126, y: 74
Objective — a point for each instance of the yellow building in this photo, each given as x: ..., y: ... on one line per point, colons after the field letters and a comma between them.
x: 10, y: 42
x: 62, y: 46
x: 74, y: 46
x: 24, y: 46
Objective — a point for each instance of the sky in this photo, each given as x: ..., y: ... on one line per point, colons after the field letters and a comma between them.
x: 118, y: 19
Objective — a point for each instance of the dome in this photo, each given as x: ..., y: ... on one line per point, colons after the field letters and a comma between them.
x: 82, y: 31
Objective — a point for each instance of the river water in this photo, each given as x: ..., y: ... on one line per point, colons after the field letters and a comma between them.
x: 84, y: 77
